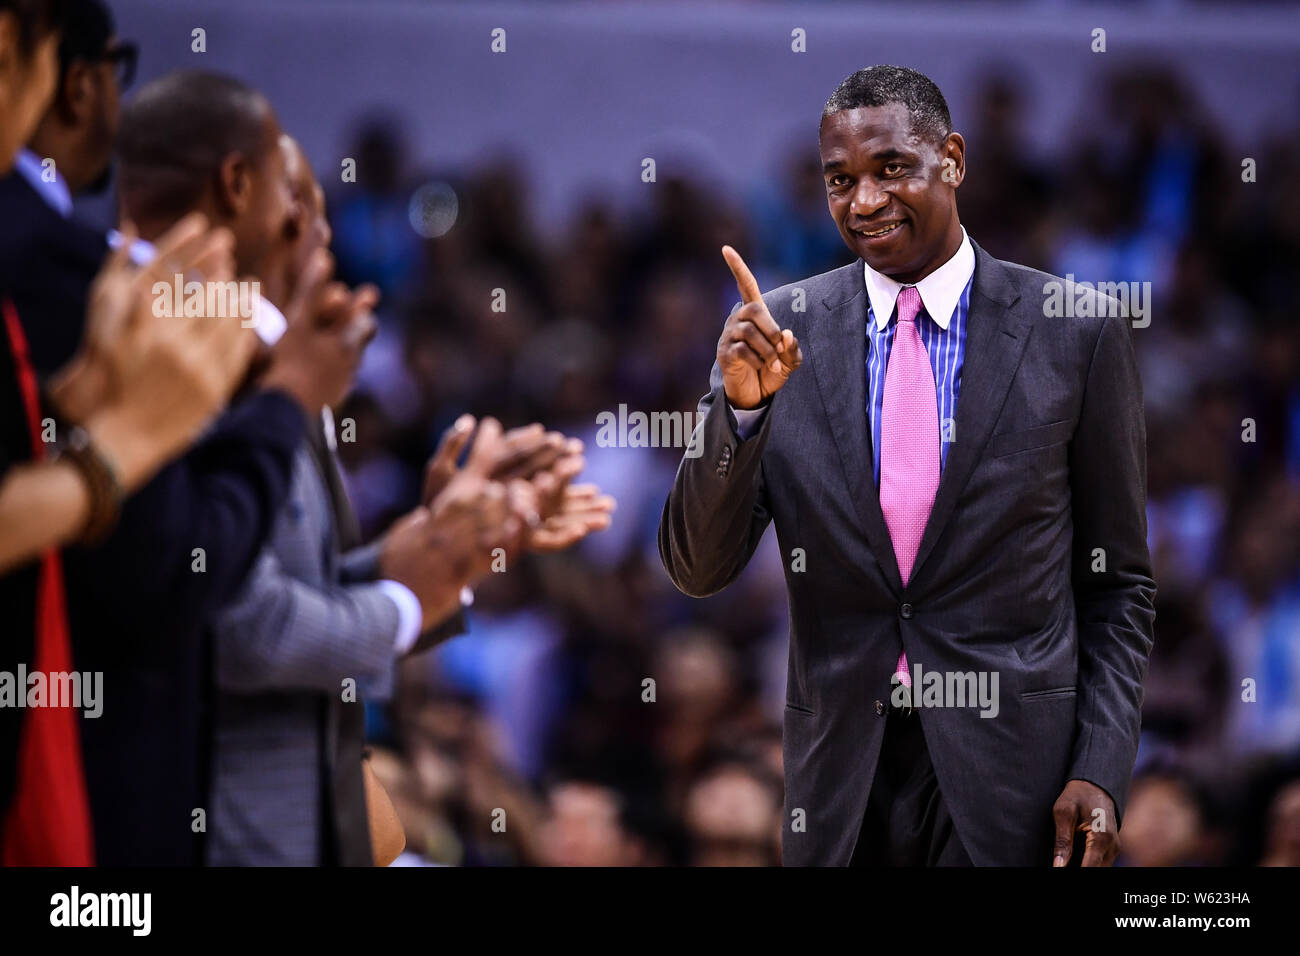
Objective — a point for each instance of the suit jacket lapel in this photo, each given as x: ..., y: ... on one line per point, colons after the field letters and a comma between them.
x: 346, y: 530
x: 995, y: 344
x: 347, y: 825
x: 837, y: 349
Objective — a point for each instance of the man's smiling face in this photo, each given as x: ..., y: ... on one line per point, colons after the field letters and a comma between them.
x: 886, y: 191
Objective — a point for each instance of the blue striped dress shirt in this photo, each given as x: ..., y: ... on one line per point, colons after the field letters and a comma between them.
x: 947, y: 288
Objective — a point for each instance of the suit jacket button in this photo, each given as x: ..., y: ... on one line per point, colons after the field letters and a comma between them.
x: 880, y: 708
x: 906, y: 612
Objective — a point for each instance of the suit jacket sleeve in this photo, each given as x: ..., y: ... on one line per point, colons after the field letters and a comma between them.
x: 283, y: 634
x: 717, y: 510
x: 362, y: 564
x: 1115, y: 606
x: 221, y: 497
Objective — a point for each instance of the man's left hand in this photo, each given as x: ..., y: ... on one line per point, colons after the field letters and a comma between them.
x: 1085, y: 807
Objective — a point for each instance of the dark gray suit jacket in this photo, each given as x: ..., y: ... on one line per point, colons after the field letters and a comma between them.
x: 1048, y: 463
x: 287, y: 787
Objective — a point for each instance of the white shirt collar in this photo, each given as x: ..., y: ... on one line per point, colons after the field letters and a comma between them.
x: 54, y: 192
x: 940, y: 290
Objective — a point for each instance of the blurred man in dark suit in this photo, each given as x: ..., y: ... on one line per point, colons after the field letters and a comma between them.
x: 137, y: 393
x: 53, y: 257
x: 320, y: 609
x: 184, y: 543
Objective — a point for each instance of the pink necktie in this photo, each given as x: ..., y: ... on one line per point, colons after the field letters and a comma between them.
x: 909, y: 443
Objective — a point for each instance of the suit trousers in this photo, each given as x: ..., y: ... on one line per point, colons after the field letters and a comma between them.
x: 907, y: 822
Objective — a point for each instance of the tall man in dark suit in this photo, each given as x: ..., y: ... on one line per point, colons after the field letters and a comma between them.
x: 958, y: 482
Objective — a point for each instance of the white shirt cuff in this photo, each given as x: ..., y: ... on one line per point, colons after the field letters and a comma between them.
x: 748, y: 420
x: 269, y: 321
x: 410, y: 615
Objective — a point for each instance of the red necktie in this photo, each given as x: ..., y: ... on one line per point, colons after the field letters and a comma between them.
x: 48, y: 823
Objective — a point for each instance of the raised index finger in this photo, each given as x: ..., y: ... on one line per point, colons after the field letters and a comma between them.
x: 745, y: 280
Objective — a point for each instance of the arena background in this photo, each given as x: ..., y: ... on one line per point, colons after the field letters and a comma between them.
x: 524, y: 170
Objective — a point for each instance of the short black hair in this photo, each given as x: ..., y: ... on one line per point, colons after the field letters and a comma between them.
x: 87, y: 28
x: 882, y: 85
x: 37, y: 19
x: 178, y: 130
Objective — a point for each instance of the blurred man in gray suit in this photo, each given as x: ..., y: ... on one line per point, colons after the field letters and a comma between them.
x: 958, y: 485
x: 320, y: 616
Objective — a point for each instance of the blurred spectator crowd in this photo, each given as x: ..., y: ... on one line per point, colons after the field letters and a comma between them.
x: 595, y: 716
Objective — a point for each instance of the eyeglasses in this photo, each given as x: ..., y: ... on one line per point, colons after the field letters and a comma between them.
x: 123, y: 56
